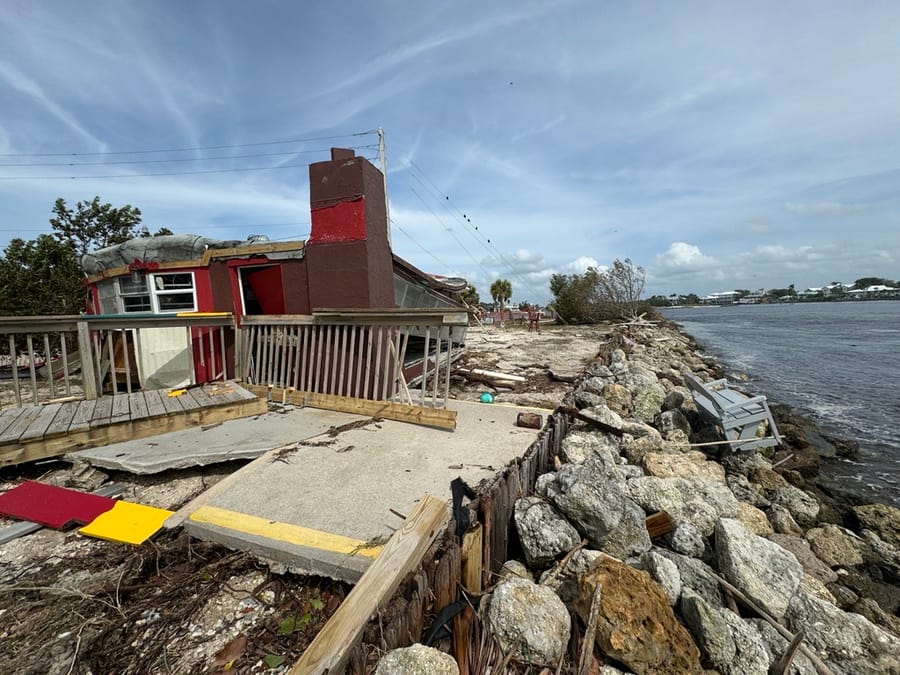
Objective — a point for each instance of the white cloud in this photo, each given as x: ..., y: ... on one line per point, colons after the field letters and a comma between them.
x: 681, y: 255
x: 822, y: 208
x: 581, y: 263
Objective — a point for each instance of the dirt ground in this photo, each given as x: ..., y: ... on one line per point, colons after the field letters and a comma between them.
x: 70, y: 604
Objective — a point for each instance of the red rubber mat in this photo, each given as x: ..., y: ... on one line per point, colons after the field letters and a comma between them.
x: 52, y: 506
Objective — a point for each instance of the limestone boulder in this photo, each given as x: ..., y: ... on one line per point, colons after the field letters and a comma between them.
x: 599, y: 509
x: 562, y: 578
x: 803, y: 508
x: 671, y: 420
x: 687, y: 540
x: 586, y: 399
x: 593, y: 385
x: 848, y: 640
x: 881, y: 519
x: 754, y: 519
x: 762, y: 569
x: 782, y: 520
x: 835, y: 546
x: 578, y: 445
x: 695, y: 576
x: 673, y: 400
x: 882, y: 553
x: 618, y: 398
x: 709, y: 629
x: 605, y: 419
x: 750, y: 655
x: 805, y: 556
x: 543, y: 532
x: 697, y: 501
x: 776, y: 645
x: 744, y: 490
x: 639, y: 378
x: 647, y: 401
x: 692, y: 464
x: 417, y: 660
x: 529, y: 621
x: 665, y: 573
x: 636, y: 625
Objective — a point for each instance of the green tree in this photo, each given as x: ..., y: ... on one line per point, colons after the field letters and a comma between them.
x: 41, y: 276
x: 470, y: 296
x: 612, y: 294
x: 92, y: 225
x: 865, y: 282
x: 501, y: 292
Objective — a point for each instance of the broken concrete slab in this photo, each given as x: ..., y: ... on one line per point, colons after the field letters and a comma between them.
x: 245, y: 438
x: 323, y: 507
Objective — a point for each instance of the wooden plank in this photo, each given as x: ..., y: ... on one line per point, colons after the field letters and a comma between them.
x: 121, y: 409
x: 39, y: 425
x: 202, y: 398
x: 102, y: 411
x: 223, y: 392
x: 400, y: 412
x: 330, y: 649
x: 20, y: 424
x: 155, y: 407
x: 170, y: 403
x: 93, y: 437
x: 472, y: 543
x: 187, y: 401
x: 9, y: 416
x: 63, y: 419
x: 137, y: 404
x: 82, y: 418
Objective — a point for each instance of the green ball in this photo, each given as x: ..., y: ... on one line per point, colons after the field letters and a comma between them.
x: 487, y: 397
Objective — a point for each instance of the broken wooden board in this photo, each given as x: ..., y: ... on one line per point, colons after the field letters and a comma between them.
x: 330, y: 649
x: 440, y: 418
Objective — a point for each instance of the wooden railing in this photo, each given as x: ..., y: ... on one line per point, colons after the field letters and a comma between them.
x: 46, y: 357
x: 381, y: 355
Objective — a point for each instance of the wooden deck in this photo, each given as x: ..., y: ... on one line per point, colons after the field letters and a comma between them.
x: 38, y: 432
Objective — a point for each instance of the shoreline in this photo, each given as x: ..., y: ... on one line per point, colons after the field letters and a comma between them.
x: 822, y: 445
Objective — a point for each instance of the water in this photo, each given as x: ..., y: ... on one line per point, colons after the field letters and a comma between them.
x: 835, y: 362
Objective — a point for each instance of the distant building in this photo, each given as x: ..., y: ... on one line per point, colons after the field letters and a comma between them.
x: 721, y: 298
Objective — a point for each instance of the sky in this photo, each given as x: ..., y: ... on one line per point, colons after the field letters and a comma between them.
x: 718, y: 145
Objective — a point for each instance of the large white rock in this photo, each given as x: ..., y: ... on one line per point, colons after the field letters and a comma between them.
x: 760, y: 568
x: 417, y: 660
x: 530, y: 620
x: 543, y: 532
x: 694, y: 500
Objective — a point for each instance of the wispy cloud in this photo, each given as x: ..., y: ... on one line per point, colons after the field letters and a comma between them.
x: 822, y: 208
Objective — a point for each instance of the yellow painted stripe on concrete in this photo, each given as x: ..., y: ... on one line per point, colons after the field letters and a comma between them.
x: 127, y: 523
x: 286, y: 532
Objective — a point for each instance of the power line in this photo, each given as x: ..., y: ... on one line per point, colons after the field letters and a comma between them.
x: 163, y: 173
x: 196, y: 148
x: 476, y: 233
x: 184, y: 159
x: 413, y: 240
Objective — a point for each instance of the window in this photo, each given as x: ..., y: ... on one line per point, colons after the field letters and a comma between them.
x: 158, y: 293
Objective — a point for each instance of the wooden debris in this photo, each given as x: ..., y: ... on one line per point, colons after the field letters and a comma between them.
x: 329, y: 651
x: 529, y: 420
x: 658, y: 524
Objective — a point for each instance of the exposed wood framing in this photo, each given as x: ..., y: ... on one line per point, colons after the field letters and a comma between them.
x: 440, y: 418
x: 403, y: 552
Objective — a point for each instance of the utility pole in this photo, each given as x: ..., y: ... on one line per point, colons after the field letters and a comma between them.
x: 382, y: 159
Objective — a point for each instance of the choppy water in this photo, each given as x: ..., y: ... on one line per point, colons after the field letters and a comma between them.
x: 838, y: 363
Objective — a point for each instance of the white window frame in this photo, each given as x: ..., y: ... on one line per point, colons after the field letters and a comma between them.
x: 155, y: 293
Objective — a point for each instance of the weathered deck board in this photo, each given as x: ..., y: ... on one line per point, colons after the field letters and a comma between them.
x: 63, y: 419
x: 20, y: 424
x: 41, y: 423
x: 137, y: 403
x: 83, y: 416
x: 37, y: 432
x: 102, y: 412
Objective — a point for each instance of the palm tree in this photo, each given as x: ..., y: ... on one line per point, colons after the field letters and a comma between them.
x: 501, y: 292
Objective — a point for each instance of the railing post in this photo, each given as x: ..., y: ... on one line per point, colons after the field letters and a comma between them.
x: 88, y: 374
x: 238, y: 354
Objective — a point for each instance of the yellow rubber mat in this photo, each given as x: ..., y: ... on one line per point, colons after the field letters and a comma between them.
x: 127, y: 523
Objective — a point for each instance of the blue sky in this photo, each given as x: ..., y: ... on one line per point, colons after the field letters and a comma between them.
x: 719, y: 145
